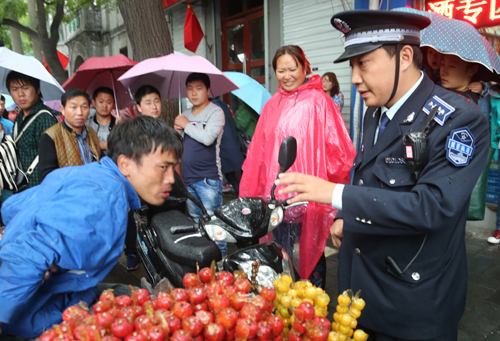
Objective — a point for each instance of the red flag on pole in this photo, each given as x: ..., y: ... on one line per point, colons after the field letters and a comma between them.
x: 193, y: 33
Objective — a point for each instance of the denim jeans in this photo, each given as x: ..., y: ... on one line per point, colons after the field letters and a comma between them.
x: 209, y: 193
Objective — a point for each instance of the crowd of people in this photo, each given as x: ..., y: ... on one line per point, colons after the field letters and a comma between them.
x: 400, y: 230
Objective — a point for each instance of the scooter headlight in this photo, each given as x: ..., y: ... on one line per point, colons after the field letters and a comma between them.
x: 265, y: 276
x: 218, y: 234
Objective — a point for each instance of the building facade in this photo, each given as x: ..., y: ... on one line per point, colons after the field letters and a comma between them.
x: 240, y: 35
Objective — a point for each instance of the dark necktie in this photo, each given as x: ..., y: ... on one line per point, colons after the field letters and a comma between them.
x: 383, y: 124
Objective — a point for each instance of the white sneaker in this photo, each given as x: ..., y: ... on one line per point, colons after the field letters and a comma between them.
x: 495, y: 238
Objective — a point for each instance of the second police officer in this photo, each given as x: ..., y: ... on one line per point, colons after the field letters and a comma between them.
x: 401, y: 224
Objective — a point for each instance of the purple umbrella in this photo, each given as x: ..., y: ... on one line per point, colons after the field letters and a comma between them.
x: 168, y: 74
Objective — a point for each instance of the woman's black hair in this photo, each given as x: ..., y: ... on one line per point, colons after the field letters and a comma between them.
x: 141, y: 136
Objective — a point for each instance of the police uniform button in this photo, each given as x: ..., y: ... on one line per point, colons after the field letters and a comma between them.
x: 363, y: 220
x: 357, y: 219
x: 369, y: 222
x: 392, y: 181
x: 361, y: 182
x: 415, y: 276
x: 357, y: 251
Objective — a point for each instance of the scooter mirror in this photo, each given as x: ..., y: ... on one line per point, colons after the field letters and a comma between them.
x: 286, y: 158
x: 287, y: 154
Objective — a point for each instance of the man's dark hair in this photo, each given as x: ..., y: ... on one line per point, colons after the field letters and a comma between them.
x: 196, y: 76
x: 417, y: 53
x: 72, y: 93
x: 144, y: 91
x: 105, y: 90
x: 2, y: 98
x: 141, y: 136
x: 22, y: 79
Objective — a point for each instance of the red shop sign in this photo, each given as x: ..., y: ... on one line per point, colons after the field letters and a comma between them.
x: 480, y: 13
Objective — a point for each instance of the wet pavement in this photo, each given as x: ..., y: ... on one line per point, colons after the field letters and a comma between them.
x: 481, y: 320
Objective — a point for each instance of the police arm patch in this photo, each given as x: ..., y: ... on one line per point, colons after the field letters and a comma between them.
x: 460, y: 146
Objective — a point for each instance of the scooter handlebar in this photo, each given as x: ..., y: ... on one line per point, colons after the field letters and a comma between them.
x: 183, y: 229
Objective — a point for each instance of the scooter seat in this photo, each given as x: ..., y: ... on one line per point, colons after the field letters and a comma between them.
x: 187, y: 251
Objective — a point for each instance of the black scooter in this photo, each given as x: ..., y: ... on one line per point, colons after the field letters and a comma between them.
x: 170, y: 243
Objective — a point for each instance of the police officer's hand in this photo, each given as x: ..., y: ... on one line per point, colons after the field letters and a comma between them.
x: 310, y: 188
x: 337, y: 232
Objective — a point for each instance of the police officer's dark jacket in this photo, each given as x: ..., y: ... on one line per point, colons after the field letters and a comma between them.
x: 387, y: 212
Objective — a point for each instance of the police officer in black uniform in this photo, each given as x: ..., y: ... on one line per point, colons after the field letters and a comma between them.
x: 401, y: 224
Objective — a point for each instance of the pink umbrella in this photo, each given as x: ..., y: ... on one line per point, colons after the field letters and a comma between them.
x: 168, y: 74
x: 103, y: 71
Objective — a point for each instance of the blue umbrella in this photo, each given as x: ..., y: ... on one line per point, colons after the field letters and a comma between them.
x: 250, y: 91
x: 450, y: 36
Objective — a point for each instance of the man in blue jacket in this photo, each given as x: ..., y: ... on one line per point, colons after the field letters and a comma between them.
x: 75, y: 222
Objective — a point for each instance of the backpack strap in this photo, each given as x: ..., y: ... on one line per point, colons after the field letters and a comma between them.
x: 16, y: 137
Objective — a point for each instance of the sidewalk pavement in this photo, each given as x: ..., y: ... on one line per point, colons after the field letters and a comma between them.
x: 481, y: 320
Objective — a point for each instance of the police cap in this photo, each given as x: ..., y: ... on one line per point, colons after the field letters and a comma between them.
x: 368, y: 30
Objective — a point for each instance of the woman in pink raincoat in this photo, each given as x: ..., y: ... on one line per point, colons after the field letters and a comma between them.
x: 300, y: 109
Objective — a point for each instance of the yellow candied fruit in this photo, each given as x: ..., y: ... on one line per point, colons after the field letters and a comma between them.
x: 293, y: 293
x: 346, y: 320
x: 342, y: 337
x: 354, y: 323
x: 336, y: 317
x: 296, y: 302
x: 350, y: 333
x: 322, y: 300
x: 286, y: 331
x: 335, y: 326
x: 286, y: 301
x: 310, y: 292
x: 308, y: 300
x: 360, y: 335
x: 344, y: 330
x: 342, y: 309
x: 299, y: 284
x: 358, y: 303
x: 355, y: 313
x: 318, y: 311
x: 333, y: 336
x: 286, y: 322
x: 344, y: 300
x: 308, y: 284
x: 283, y: 287
x: 284, y: 313
x: 287, y: 279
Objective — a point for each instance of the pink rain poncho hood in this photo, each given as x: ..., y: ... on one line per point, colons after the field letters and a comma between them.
x: 324, y: 149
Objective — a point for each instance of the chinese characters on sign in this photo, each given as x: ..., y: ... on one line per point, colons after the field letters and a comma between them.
x: 480, y: 13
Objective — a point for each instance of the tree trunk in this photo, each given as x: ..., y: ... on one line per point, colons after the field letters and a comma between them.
x: 49, y: 44
x: 37, y: 47
x: 15, y: 38
x: 149, y: 36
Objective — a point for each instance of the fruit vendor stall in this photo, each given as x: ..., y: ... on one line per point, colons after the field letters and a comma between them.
x: 214, y: 306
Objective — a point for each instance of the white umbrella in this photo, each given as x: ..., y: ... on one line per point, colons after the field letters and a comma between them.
x: 12, y: 61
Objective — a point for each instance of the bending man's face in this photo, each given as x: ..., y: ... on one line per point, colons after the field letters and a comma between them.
x: 153, y: 177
